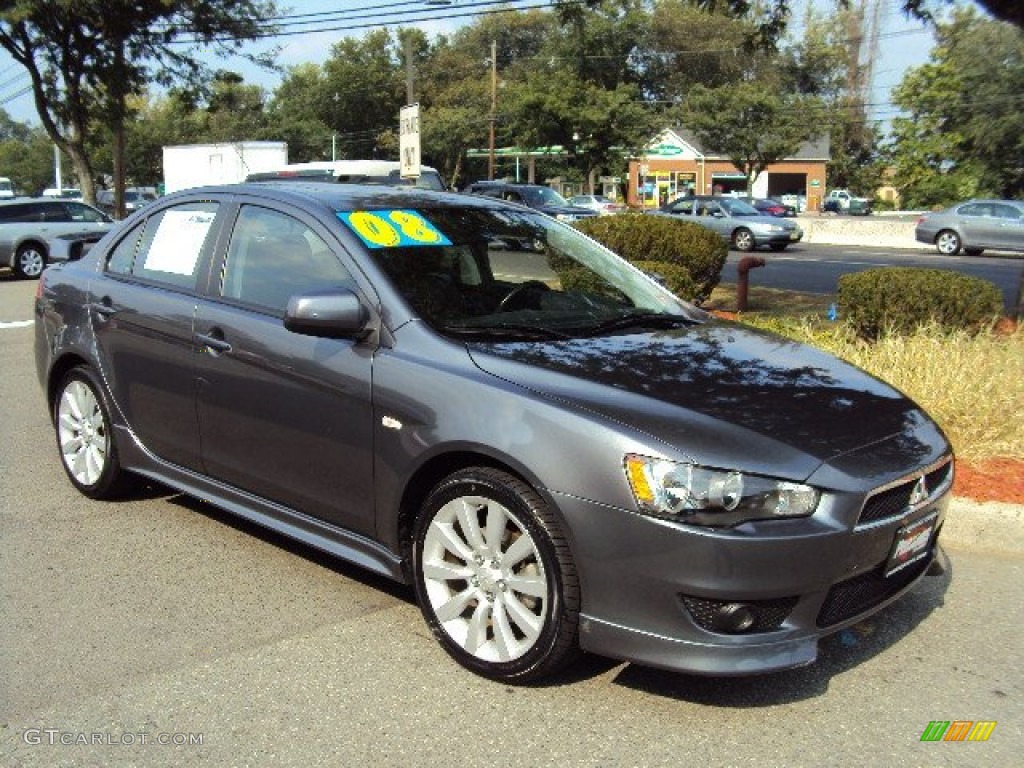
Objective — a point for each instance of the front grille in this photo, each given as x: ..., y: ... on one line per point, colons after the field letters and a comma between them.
x: 848, y: 598
x: 893, y: 502
x: 769, y: 613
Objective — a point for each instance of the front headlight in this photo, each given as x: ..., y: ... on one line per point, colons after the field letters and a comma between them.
x: 701, y: 496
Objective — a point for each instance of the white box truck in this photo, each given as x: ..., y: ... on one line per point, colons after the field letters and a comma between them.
x: 197, y: 165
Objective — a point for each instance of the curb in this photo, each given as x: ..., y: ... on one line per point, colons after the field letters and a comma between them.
x: 984, y: 526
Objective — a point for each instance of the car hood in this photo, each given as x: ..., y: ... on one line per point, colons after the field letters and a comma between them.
x: 725, y: 395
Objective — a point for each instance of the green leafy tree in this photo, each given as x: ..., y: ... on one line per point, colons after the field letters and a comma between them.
x: 964, y: 130
x: 752, y: 125
x: 85, y: 58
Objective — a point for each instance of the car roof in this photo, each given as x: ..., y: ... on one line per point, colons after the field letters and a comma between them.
x: 343, y: 197
x: 46, y: 200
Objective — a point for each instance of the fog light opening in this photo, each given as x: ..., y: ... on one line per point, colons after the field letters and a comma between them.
x: 735, y: 617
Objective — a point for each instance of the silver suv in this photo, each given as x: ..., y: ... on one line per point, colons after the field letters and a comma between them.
x: 27, y: 225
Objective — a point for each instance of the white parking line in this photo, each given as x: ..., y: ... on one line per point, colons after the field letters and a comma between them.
x: 16, y: 324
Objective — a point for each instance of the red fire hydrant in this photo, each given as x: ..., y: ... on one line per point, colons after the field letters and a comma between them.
x: 746, y: 264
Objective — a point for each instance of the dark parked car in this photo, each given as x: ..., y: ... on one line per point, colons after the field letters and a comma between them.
x: 553, y: 449
x: 133, y: 199
x: 974, y: 225
x: 534, y: 196
x: 768, y: 207
x: 28, y: 225
x: 741, y: 225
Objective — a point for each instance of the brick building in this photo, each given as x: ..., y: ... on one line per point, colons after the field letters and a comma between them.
x: 675, y: 162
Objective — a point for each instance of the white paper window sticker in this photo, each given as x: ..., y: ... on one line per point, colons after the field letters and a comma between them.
x: 178, y: 241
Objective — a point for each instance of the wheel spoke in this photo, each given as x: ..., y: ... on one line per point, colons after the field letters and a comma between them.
x: 71, y: 444
x: 455, y: 607
x: 451, y: 541
x: 504, y: 637
x: 534, y: 586
x: 477, y: 635
x: 467, y: 513
x: 497, y: 521
x: 527, y: 622
x: 440, y: 570
x: 521, y: 549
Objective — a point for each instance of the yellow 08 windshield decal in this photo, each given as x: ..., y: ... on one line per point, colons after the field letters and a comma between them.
x: 392, y: 229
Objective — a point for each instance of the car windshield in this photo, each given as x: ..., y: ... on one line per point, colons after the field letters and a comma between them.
x: 499, y: 273
x: 540, y: 196
x: 738, y: 207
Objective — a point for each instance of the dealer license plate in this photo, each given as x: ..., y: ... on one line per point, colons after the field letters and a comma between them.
x: 913, y: 541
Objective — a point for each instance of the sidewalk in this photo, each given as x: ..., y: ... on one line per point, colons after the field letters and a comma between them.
x: 989, y: 526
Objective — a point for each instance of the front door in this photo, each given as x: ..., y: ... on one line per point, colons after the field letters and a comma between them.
x: 284, y: 416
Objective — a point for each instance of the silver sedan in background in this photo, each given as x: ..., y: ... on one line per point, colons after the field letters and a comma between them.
x: 974, y: 225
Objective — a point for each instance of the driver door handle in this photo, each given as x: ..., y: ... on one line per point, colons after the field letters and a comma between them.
x: 214, y: 341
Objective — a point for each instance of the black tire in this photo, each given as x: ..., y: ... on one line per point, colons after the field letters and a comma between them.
x: 947, y: 242
x: 511, y: 608
x: 974, y: 251
x: 743, y: 240
x: 85, y: 436
x: 30, y: 261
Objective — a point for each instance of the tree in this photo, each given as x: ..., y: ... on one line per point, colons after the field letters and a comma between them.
x: 964, y: 134
x: 752, y: 125
x: 86, y: 57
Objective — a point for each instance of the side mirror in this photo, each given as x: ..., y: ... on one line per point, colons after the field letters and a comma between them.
x: 335, y: 314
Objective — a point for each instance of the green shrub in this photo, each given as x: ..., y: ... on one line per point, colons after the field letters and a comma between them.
x: 674, y: 277
x: 902, y: 299
x: 639, y: 238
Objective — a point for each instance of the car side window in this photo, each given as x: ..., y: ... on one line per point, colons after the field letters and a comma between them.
x: 20, y: 212
x: 122, y: 257
x: 173, y: 243
x: 273, y: 256
x: 1005, y: 211
x: 684, y: 207
x: 79, y: 212
x: 56, y: 212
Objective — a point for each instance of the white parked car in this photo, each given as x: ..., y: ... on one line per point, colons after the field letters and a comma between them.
x: 605, y: 206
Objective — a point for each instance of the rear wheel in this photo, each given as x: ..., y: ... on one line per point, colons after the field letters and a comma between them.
x: 947, y: 242
x: 85, y: 436
x: 29, y: 261
x: 494, y: 577
x: 743, y: 239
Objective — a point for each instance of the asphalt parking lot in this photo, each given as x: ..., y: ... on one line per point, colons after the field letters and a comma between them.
x: 161, y: 619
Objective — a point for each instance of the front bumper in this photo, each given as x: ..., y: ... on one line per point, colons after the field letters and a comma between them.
x: 642, y: 576
x: 779, y: 238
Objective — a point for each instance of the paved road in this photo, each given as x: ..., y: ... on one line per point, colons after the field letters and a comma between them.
x: 164, y: 617
x: 815, y: 268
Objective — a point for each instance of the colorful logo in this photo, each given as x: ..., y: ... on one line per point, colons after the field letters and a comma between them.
x: 958, y: 730
x: 392, y: 229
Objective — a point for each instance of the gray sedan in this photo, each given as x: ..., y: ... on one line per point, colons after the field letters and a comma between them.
x: 552, y: 449
x: 973, y: 226
x: 742, y: 226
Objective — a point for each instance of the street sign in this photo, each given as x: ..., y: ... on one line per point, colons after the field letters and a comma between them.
x: 409, y: 140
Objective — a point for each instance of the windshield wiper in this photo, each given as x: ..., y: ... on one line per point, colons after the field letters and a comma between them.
x: 639, y: 320
x: 506, y: 329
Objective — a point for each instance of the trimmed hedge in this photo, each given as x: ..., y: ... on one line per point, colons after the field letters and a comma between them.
x: 640, y: 238
x: 902, y: 299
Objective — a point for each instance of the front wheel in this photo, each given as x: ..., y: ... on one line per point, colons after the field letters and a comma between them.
x: 85, y: 436
x: 494, y: 577
x: 743, y: 240
x: 29, y: 261
x: 947, y: 242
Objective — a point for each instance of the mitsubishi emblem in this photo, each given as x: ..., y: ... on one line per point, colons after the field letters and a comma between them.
x: 920, y: 492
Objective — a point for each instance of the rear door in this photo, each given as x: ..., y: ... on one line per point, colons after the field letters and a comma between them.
x: 1009, y: 233
x: 142, y: 308
x: 284, y: 416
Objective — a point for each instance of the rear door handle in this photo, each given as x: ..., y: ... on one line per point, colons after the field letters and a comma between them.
x: 104, y: 308
x: 214, y: 341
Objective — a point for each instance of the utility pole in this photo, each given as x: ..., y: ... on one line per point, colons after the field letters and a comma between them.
x: 409, y: 95
x: 494, y: 108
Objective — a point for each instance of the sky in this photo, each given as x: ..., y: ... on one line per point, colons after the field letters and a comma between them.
x: 904, y: 43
